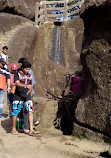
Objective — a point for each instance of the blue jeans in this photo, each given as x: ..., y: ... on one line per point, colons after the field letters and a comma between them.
x: 2, y: 94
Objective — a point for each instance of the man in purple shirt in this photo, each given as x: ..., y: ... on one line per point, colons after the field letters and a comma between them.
x: 77, y: 84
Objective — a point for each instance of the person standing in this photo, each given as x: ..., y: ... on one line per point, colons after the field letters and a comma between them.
x: 22, y: 95
x: 12, y: 89
x: 78, y: 85
x: 25, y: 113
x: 4, y: 55
x: 4, y: 76
x: 21, y: 61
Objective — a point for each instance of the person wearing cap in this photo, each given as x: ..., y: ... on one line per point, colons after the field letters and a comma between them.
x: 4, y: 77
x: 12, y: 89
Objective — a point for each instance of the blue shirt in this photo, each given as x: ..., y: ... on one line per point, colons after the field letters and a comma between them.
x: 33, y: 81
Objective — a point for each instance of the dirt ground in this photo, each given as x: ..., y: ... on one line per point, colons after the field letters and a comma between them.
x: 45, y: 145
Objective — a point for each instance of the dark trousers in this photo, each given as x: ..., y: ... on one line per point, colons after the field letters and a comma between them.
x: 26, y: 119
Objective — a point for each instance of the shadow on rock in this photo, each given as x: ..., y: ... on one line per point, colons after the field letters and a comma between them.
x: 105, y: 154
x: 108, y: 128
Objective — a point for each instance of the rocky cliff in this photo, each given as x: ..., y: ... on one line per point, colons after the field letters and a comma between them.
x: 96, y: 61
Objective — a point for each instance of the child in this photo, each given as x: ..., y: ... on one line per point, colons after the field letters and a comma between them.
x: 12, y: 90
x: 25, y: 113
x: 21, y: 61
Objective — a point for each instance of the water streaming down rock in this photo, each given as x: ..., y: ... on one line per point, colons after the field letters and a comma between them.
x: 56, y: 53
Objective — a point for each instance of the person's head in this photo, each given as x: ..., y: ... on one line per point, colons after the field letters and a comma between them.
x: 26, y: 67
x: 21, y: 61
x: 13, y: 68
x: 4, y: 49
x: 78, y: 73
x: 2, y: 63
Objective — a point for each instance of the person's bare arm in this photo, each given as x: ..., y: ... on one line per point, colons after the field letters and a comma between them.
x: 23, y: 85
x: 7, y: 62
x: 8, y: 85
x: 1, y: 43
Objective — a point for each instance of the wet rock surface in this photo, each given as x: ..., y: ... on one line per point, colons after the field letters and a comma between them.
x: 56, y: 53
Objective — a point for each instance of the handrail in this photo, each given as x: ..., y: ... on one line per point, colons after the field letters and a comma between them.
x: 44, y: 11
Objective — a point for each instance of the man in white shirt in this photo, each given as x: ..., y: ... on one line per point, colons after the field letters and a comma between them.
x: 4, y: 55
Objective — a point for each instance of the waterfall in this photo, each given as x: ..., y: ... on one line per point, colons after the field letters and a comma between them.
x: 56, y: 53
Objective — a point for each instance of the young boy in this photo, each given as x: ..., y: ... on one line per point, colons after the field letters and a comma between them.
x: 4, y: 55
x: 25, y: 113
x: 22, y: 95
x: 12, y: 90
x: 21, y: 61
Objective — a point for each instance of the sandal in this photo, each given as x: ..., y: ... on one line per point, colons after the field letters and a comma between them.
x: 14, y: 132
x: 26, y: 131
x: 33, y: 133
x: 37, y: 123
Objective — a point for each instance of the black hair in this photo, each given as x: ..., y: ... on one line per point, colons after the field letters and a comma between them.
x: 5, y: 47
x: 22, y: 60
x: 26, y: 64
x: 78, y: 73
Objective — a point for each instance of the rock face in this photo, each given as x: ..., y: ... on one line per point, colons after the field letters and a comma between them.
x: 9, y: 25
x: 22, y: 43
x: 25, y: 8
x: 8, y: 21
x: 96, y: 60
x: 34, y: 44
x: 73, y: 44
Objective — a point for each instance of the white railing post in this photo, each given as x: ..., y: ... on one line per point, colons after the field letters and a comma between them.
x: 45, y: 11
x: 66, y: 9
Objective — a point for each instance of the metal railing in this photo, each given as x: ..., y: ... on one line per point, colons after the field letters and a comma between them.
x: 45, y: 10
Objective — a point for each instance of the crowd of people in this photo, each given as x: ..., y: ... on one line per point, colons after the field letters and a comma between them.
x: 20, y: 90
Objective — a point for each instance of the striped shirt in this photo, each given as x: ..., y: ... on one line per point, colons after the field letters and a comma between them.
x: 21, y: 93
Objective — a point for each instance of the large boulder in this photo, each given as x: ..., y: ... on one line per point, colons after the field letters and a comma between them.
x: 9, y: 25
x: 73, y: 37
x: 22, y: 43
x: 95, y: 109
x: 25, y: 8
x: 9, y: 21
